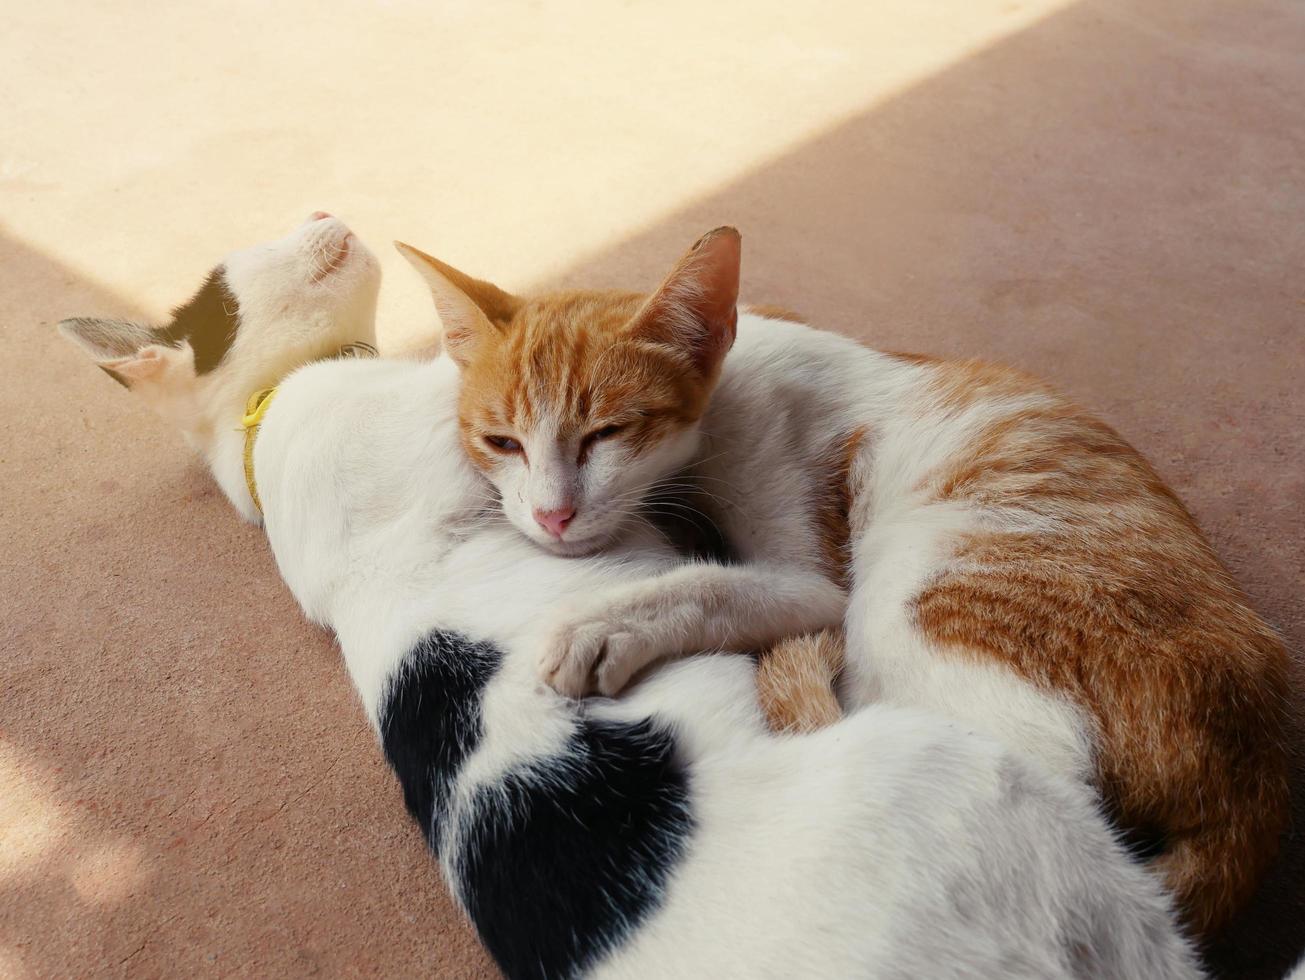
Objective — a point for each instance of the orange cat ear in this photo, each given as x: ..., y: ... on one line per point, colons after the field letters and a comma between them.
x: 696, y: 307
x: 470, y: 309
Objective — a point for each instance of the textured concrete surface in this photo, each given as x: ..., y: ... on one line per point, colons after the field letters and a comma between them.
x: 1106, y: 192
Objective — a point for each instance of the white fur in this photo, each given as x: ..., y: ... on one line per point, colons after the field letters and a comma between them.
x: 891, y: 844
x: 605, y: 492
x: 901, y: 536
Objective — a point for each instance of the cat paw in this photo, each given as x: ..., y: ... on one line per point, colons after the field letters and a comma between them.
x: 568, y: 658
x: 590, y: 657
x: 624, y: 657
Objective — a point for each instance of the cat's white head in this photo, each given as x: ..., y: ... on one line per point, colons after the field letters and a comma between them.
x: 261, y: 313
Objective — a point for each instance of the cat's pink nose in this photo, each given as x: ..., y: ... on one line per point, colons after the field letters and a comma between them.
x: 319, y: 215
x: 554, y: 521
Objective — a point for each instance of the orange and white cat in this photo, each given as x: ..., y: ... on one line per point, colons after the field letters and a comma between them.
x: 993, y: 552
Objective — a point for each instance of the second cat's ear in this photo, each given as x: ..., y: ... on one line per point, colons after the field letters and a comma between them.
x: 695, y: 309
x: 105, y: 338
x: 128, y: 352
x: 471, y: 310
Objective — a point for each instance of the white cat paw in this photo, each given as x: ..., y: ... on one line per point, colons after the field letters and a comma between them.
x: 625, y: 656
x: 590, y: 657
x: 567, y: 661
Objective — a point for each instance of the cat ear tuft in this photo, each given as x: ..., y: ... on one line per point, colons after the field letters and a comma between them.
x: 695, y: 309
x: 470, y: 310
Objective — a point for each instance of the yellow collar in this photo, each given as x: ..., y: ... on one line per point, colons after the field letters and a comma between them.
x: 255, y: 409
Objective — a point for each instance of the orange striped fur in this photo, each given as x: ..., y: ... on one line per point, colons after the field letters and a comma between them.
x: 831, y: 507
x: 1134, y: 617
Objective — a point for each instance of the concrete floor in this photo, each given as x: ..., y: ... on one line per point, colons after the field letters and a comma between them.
x: 1109, y: 193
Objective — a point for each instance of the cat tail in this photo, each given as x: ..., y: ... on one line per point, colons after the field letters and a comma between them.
x: 795, y: 682
x: 1220, y: 841
x: 1213, y: 869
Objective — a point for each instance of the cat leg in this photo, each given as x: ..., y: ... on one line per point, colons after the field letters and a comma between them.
x: 602, y: 643
x: 795, y: 682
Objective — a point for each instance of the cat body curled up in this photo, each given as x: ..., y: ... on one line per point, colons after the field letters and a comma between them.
x: 666, y: 834
x: 992, y: 551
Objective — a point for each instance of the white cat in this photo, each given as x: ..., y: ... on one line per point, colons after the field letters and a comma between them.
x: 667, y: 834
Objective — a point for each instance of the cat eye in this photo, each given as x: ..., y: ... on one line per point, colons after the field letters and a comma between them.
x: 504, y: 444
x: 587, y: 443
x: 606, y: 432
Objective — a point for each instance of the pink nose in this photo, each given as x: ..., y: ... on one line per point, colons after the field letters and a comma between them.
x: 319, y: 215
x: 554, y: 521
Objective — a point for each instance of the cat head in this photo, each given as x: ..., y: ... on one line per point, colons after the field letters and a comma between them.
x: 576, y: 404
x: 261, y: 313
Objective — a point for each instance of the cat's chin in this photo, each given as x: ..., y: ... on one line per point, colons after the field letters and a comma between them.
x: 580, y: 548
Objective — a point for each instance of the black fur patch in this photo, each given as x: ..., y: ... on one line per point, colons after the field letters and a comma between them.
x: 430, y: 720
x: 208, y: 322
x: 560, y: 860
x: 569, y: 857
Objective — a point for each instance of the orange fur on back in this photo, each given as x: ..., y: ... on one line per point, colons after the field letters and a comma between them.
x: 1129, y: 612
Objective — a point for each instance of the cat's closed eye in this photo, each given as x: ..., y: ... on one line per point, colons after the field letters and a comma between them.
x: 504, y: 444
x: 606, y: 432
x: 597, y: 435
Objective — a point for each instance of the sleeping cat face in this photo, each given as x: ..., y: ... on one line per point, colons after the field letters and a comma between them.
x: 262, y: 312
x: 575, y: 404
